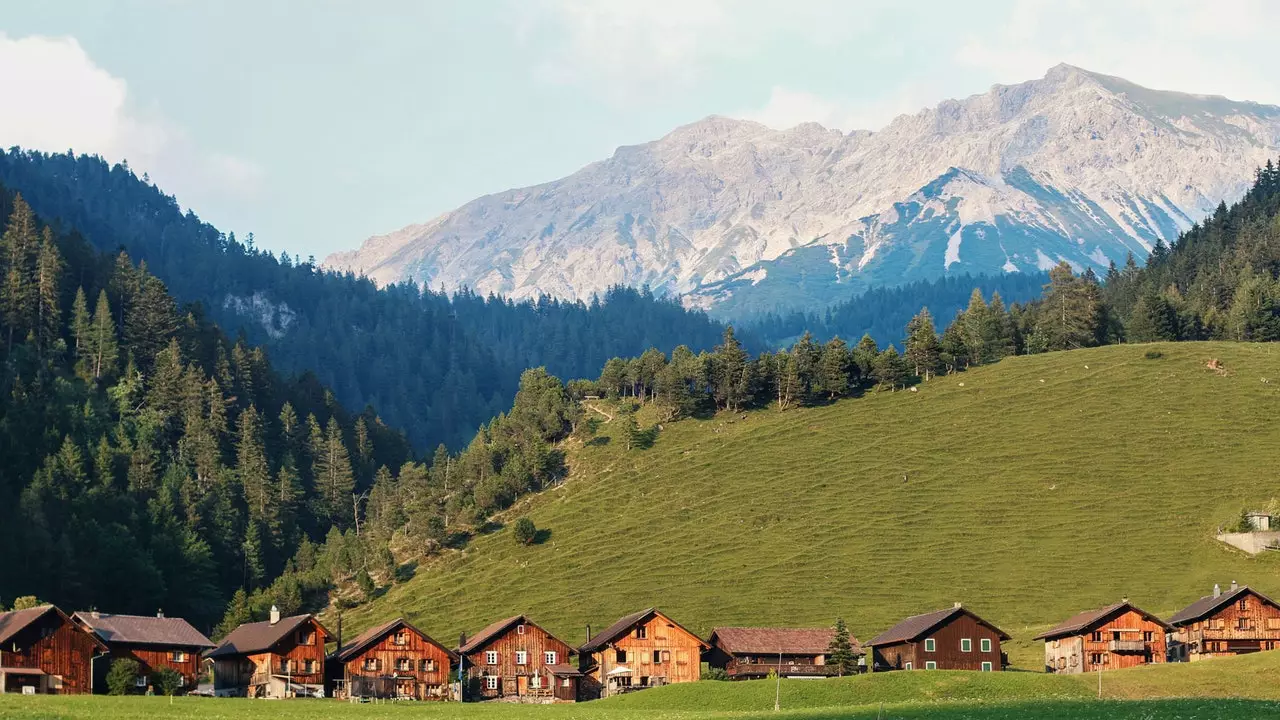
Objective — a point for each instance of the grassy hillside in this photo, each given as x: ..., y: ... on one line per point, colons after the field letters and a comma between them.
x: 1029, y: 490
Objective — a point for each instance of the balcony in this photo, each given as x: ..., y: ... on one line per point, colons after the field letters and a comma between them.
x: 1127, y: 646
x: 762, y: 669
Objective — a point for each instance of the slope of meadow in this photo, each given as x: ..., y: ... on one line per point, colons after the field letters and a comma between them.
x: 1029, y: 490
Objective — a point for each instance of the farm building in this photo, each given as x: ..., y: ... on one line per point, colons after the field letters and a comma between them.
x: 278, y: 658
x: 155, y: 642
x: 394, y: 660
x: 1109, y: 638
x: 44, y: 651
x: 515, y: 659
x: 643, y: 649
x: 951, y: 639
x: 748, y: 653
x: 1235, y: 622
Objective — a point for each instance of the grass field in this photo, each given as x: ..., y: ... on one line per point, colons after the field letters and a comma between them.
x: 1246, y: 687
x: 1029, y: 490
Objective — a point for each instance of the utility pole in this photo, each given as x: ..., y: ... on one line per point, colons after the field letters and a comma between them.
x: 1099, y: 681
x: 777, y: 693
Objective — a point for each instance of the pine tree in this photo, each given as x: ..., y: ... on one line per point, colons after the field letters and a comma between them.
x: 732, y: 372
x: 103, y: 344
x: 252, y: 468
x: 629, y: 429
x: 49, y: 267
x: 833, y: 370
x: 238, y: 613
x: 840, y: 651
x: 335, y: 480
x: 20, y: 244
x: 923, y: 350
x: 81, y: 331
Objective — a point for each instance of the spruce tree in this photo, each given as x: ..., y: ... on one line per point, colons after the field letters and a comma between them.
x: 81, y: 330
x: 731, y: 374
x: 252, y: 468
x: 336, y: 481
x: 840, y: 651
x: 20, y: 244
x: 833, y: 370
x: 49, y: 267
x: 103, y: 344
x: 923, y: 350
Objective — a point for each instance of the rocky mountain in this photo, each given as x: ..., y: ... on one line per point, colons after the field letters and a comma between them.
x: 739, y: 218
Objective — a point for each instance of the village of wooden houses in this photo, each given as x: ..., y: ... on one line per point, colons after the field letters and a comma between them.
x: 45, y: 650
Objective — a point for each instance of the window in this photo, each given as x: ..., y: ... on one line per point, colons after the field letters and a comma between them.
x: 1273, y: 623
x: 306, y: 637
x: 1148, y: 636
x: 520, y: 629
x: 907, y: 666
x: 1096, y: 658
x: 666, y: 656
x: 371, y: 664
x: 642, y: 632
x: 549, y: 657
x: 286, y: 666
x: 1115, y: 635
x: 1242, y: 623
x: 1062, y: 663
x: 491, y: 682
x: 1097, y: 636
x: 966, y: 645
x: 308, y: 667
x: 644, y: 681
x: 140, y: 681
x: 986, y: 667
x: 404, y: 664
x: 930, y: 665
x: 400, y: 638
x: 620, y: 656
x: 657, y: 657
x: 182, y: 681
x: 178, y: 656
x: 522, y: 657
x: 565, y: 683
x: 985, y: 644
x: 929, y: 645
x: 427, y: 665
x: 1244, y: 603
x: 490, y: 657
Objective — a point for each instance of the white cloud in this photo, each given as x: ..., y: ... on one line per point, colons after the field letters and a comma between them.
x: 787, y: 108
x: 53, y: 97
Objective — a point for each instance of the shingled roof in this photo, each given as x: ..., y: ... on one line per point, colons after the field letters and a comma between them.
x: 15, y: 621
x: 1082, y: 622
x: 260, y: 636
x: 616, y: 630
x: 375, y: 634
x: 143, y: 630
x: 493, y: 630
x: 917, y: 625
x: 1209, y: 604
x: 791, y: 641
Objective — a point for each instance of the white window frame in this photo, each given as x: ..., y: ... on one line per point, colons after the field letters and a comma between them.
x: 490, y: 657
x: 930, y: 665
x: 178, y: 656
x: 491, y: 682
x: 930, y: 645
x: 985, y: 644
x: 987, y: 666
x: 549, y: 657
x: 907, y: 666
x: 520, y: 629
x: 966, y: 645
x: 522, y: 657
x: 565, y: 683
x: 140, y: 681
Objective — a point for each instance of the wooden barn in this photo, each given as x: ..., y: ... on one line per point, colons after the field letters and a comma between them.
x: 44, y: 651
x: 1109, y: 638
x: 749, y: 653
x: 1235, y: 622
x: 394, y: 660
x: 514, y: 659
x: 643, y: 649
x: 951, y: 639
x: 154, y: 642
x: 278, y: 658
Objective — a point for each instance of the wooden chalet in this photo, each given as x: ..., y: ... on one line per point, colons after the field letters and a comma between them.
x: 154, y: 642
x: 643, y: 649
x: 277, y: 658
x: 951, y: 639
x: 1235, y: 622
x: 44, y: 651
x: 749, y: 653
x: 394, y: 660
x: 514, y: 659
x: 1109, y: 638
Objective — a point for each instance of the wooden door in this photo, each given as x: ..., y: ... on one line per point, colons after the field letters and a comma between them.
x: 522, y: 685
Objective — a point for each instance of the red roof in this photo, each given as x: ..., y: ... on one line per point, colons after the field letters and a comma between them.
x: 1085, y: 621
x: 15, y: 621
x: 789, y: 641
x: 375, y: 634
x: 493, y: 630
x: 618, y: 629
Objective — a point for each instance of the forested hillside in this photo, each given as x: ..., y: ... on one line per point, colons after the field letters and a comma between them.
x: 433, y: 367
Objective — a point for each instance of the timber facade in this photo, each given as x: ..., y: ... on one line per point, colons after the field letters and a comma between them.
x: 391, y: 661
x: 154, y: 643
x: 1117, y: 636
x: 43, y: 651
x: 279, y: 658
x: 751, y: 653
x: 1236, y: 622
x: 514, y: 659
x: 641, y: 650
x: 953, y: 639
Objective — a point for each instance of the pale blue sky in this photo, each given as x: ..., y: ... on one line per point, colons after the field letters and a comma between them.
x: 317, y: 124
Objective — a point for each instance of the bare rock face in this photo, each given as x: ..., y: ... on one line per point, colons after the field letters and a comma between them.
x: 738, y: 217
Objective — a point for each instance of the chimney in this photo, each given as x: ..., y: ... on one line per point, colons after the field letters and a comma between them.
x: 160, y: 613
x: 95, y: 614
x: 275, y: 614
x: 1217, y: 591
x: 462, y: 640
x: 1125, y: 599
x: 957, y: 604
x: 1234, y: 586
x: 588, y: 632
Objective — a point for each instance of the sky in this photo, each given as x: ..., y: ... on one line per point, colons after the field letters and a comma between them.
x: 317, y: 124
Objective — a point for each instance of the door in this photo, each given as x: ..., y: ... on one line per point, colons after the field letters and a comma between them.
x: 522, y: 685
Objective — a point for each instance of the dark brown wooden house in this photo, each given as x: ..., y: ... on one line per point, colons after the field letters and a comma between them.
x: 155, y: 642
x: 951, y: 639
x: 1109, y: 638
x: 643, y: 649
x: 277, y: 658
x: 517, y: 660
x: 44, y: 651
x: 1235, y: 622
x: 394, y: 660
x: 748, y: 653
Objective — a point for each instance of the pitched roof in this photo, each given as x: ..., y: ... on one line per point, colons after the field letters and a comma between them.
x: 260, y: 636
x: 374, y: 634
x: 493, y: 630
x: 793, y: 641
x: 563, y: 670
x: 15, y: 621
x: 1209, y: 604
x: 616, y: 630
x: 1082, y: 622
x: 143, y: 630
x: 917, y: 625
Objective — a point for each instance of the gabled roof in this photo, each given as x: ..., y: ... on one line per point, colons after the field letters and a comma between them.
x: 620, y: 628
x: 1209, y: 604
x: 917, y: 625
x: 261, y: 636
x: 376, y: 634
x: 143, y: 630
x: 1085, y: 621
x: 15, y: 621
x: 792, y: 641
x: 493, y: 630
